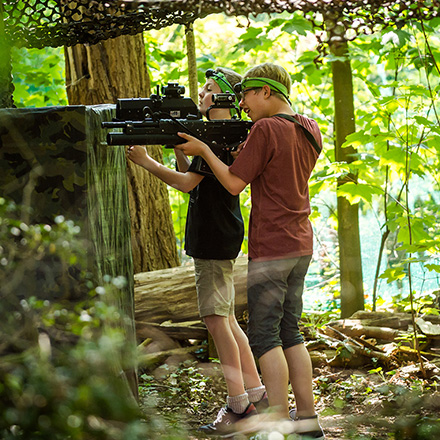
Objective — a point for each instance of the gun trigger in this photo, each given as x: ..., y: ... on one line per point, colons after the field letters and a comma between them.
x: 233, y: 147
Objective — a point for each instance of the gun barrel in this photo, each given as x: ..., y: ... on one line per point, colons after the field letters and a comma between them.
x: 143, y: 139
x: 113, y: 124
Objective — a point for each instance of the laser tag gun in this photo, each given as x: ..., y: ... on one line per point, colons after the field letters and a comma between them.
x: 158, y: 119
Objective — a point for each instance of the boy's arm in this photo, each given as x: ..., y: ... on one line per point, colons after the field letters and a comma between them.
x: 184, y: 182
x: 195, y: 147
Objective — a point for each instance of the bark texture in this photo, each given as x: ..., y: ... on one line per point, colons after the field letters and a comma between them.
x: 350, y: 262
x: 100, y: 74
x: 192, y: 62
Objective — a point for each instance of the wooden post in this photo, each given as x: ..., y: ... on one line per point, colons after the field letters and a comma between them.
x: 192, y: 62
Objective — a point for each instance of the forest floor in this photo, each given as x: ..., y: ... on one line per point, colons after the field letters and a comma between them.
x: 364, y: 403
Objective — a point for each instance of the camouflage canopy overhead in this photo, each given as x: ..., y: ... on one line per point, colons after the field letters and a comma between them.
x: 40, y: 23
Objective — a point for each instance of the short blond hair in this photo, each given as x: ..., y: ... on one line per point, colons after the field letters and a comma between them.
x: 271, y: 71
x: 232, y: 76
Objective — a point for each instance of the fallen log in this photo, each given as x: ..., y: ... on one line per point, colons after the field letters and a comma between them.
x: 428, y: 328
x: 397, y: 320
x: 358, y: 346
x: 166, y: 314
x: 170, y: 294
x: 150, y: 360
x: 358, y: 328
x: 180, y: 331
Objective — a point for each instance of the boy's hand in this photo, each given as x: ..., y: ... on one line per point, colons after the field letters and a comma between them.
x: 236, y: 152
x: 137, y: 154
x: 193, y: 146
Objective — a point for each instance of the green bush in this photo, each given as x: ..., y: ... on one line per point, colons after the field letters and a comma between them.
x: 61, y: 369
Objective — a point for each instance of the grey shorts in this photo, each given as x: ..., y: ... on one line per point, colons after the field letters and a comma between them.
x: 215, y: 287
x: 275, y: 303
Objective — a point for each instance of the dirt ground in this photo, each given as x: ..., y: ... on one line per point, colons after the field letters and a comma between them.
x: 361, y: 404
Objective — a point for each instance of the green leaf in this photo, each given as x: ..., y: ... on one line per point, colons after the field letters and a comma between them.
x: 249, y: 43
x: 396, y: 37
x: 394, y: 157
x: 251, y: 33
x: 417, y: 233
x: 393, y: 274
x: 433, y: 267
x: 297, y: 25
x: 357, y: 139
x: 355, y: 192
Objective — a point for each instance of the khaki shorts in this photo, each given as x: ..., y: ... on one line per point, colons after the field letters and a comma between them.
x: 215, y: 287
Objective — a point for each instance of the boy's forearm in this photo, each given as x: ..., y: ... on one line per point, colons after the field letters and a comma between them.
x: 172, y: 178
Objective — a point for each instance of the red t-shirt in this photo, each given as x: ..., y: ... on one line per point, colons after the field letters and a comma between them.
x: 277, y: 160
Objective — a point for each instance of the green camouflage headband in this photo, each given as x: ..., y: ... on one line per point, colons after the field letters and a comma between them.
x: 260, y: 82
x: 223, y: 83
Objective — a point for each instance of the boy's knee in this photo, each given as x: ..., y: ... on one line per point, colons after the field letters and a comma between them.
x: 215, y: 323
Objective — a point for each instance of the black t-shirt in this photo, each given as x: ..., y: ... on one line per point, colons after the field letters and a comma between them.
x: 214, y: 225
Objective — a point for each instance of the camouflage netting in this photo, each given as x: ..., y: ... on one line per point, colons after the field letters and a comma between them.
x: 40, y: 23
x: 58, y: 156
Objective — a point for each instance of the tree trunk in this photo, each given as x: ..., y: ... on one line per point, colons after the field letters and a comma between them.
x: 192, y: 62
x: 100, y: 74
x: 6, y: 85
x: 352, y: 291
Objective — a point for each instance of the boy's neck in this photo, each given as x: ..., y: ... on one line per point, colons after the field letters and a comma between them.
x: 277, y: 106
x: 219, y: 113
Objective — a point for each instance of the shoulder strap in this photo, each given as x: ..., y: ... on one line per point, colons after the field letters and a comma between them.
x: 309, y: 135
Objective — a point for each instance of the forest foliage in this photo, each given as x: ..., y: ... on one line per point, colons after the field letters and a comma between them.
x: 396, y: 84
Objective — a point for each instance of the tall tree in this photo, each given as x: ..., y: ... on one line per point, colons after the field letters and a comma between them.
x: 102, y: 73
x: 6, y: 87
x: 350, y: 261
x: 99, y: 74
x: 192, y: 61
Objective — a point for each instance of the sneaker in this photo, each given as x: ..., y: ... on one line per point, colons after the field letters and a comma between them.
x: 308, y: 428
x: 223, y: 425
x: 263, y: 404
x: 292, y: 414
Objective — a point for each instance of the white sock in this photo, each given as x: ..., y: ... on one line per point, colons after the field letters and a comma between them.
x: 256, y: 394
x: 239, y: 403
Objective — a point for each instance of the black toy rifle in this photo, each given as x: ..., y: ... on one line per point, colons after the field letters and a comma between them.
x: 158, y: 119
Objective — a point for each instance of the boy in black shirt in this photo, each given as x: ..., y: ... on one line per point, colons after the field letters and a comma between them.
x: 213, y: 237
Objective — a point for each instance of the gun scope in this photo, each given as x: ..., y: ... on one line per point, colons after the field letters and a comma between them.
x: 226, y: 97
x: 173, y: 90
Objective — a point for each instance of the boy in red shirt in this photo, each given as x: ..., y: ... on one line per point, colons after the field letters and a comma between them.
x: 276, y: 160
x: 213, y: 236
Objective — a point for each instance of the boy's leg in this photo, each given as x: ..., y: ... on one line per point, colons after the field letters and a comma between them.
x: 249, y: 370
x: 300, y: 369
x: 297, y: 356
x: 267, y: 286
x: 228, y: 352
x: 238, y: 406
x: 215, y: 292
x: 300, y: 373
x: 276, y: 379
x: 255, y: 390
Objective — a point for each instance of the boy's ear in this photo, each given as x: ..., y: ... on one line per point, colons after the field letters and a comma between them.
x: 266, y: 91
